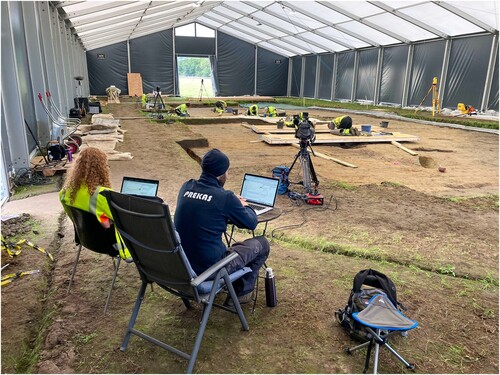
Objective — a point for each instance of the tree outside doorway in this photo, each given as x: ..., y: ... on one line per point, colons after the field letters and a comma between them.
x: 194, y: 77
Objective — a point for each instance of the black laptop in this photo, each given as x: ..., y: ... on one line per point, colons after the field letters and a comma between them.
x: 140, y: 187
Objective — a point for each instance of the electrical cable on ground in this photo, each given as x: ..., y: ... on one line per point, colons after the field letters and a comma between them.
x: 28, y: 177
x: 297, y: 199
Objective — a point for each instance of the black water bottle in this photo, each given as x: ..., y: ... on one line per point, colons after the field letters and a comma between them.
x: 270, y: 288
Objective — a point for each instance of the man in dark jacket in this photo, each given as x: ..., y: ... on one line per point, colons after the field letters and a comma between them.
x: 203, y: 211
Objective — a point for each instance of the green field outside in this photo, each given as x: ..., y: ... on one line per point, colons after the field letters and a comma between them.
x: 190, y: 87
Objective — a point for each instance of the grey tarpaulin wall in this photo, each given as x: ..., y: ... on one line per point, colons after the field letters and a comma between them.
x: 235, y: 66
x: 272, y: 73
x: 188, y: 45
x: 493, y: 99
x: 427, y: 63
x: 152, y: 57
x: 23, y: 73
x: 467, y: 71
x: 310, y: 76
x: 393, y: 74
x: 367, y: 73
x: 296, y: 74
x: 110, y: 70
x: 403, y: 74
x: 326, y: 75
x: 345, y: 75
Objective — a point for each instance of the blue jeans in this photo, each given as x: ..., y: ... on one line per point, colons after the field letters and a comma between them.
x: 252, y: 253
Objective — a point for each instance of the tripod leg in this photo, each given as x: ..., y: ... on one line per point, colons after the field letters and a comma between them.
x: 305, y: 163
x: 314, y: 178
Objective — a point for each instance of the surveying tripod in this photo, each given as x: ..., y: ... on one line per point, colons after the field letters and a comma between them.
x: 202, y: 89
x: 436, y: 107
x: 158, y: 96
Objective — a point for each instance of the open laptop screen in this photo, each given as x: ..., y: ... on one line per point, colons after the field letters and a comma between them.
x: 139, y: 186
x: 259, y: 189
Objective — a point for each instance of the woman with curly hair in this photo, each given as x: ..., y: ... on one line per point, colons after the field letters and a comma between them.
x: 84, y: 181
x: 89, y: 176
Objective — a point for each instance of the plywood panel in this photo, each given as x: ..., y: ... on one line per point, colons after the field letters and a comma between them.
x: 330, y: 138
x: 134, y: 84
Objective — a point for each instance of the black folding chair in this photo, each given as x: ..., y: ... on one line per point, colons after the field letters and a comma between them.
x: 382, y: 320
x: 90, y: 234
x: 148, y: 232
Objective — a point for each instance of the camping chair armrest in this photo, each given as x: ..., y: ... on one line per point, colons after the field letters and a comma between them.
x: 209, y: 272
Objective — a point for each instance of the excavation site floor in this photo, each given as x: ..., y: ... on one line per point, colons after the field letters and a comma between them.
x: 435, y: 234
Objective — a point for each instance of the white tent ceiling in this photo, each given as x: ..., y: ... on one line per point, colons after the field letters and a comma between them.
x: 288, y: 28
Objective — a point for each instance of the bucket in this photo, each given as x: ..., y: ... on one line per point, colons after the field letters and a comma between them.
x: 280, y: 124
x: 331, y: 125
x: 384, y: 124
x: 235, y: 111
x: 366, y: 128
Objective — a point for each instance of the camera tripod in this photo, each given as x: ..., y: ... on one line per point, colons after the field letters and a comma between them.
x: 308, y: 173
x: 202, y: 89
x: 158, y: 104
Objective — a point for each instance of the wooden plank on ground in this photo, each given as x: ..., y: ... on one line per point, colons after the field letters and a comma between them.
x: 320, y: 128
x: 134, y: 84
x: 411, y: 152
x: 284, y: 139
x: 328, y: 157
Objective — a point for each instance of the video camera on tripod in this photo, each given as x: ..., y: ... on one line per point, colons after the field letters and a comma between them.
x: 304, y: 129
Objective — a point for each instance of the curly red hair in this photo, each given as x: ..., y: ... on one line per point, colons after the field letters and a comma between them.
x: 91, y: 169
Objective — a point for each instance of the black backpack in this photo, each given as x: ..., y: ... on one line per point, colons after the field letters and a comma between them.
x: 366, y: 284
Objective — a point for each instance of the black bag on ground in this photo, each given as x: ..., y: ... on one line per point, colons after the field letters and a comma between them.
x: 366, y: 284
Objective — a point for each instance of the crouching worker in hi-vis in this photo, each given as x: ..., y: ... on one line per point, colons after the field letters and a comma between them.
x: 343, y: 126
x: 182, y: 110
x: 253, y: 110
x: 203, y: 211
x: 220, y: 107
x: 84, y: 181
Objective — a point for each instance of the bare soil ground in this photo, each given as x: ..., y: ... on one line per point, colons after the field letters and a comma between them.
x: 435, y: 234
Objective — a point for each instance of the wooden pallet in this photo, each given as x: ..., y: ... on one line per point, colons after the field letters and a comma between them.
x: 286, y: 139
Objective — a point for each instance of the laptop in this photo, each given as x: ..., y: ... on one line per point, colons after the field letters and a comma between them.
x: 259, y: 192
x: 140, y: 187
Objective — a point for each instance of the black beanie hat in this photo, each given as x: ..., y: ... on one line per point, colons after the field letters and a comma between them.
x: 215, y: 162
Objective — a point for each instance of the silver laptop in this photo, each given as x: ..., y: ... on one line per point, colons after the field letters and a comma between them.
x: 140, y: 187
x: 259, y: 192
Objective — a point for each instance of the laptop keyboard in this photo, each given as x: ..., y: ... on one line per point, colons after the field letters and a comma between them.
x: 255, y: 207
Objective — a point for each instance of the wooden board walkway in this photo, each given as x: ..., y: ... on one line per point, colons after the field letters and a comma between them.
x: 285, y: 139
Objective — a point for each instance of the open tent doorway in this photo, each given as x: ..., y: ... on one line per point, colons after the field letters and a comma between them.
x: 195, y: 77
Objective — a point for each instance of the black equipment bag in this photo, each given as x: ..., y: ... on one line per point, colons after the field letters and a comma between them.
x: 366, y: 284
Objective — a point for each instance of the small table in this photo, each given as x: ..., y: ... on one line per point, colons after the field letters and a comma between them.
x: 263, y: 218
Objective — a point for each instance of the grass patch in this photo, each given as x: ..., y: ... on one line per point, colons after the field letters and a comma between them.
x: 29, y: 359
x: 408, y: 113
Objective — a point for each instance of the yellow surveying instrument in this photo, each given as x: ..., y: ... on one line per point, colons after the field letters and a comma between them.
x: 436, y: 107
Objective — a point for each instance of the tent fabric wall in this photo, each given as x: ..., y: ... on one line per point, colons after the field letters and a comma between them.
x: 22, y: 65
x: 344, y: 75
x: 493, y: 99
x: 326, y: 75
x: 296, y: 74
x: 467, y: 71
x: 272, y: 73
x: 112, y: 70
x: 235, y: 66
x: 188, y: 45
x: 152, y: 57
x: 427, y: 64
x: 393, y: 74
x: 310, y: 76
x: 367, y: 73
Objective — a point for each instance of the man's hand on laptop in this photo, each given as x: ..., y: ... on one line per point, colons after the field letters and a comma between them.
x: 242, y: 200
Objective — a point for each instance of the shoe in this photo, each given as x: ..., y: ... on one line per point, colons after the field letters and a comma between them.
x: 355, y: 131
x: 246, y: 298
